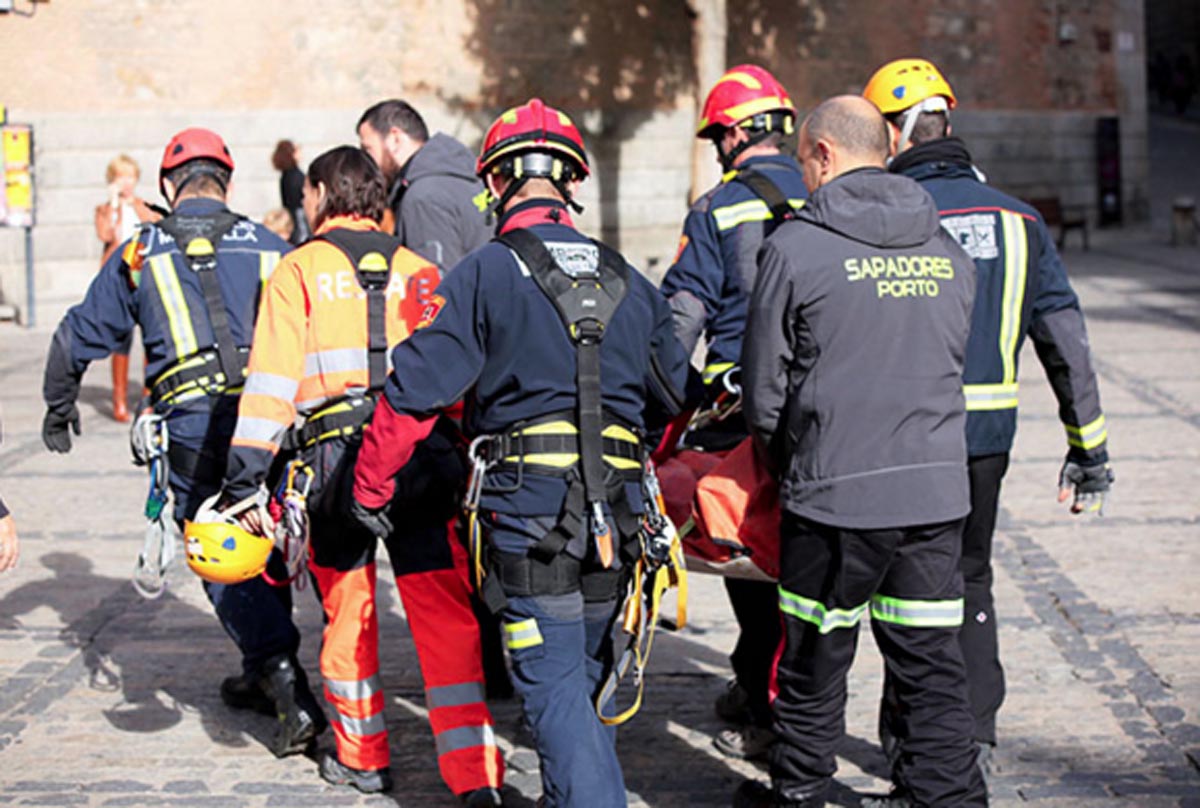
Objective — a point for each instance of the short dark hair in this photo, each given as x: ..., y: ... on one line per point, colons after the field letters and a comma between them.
x: 353, y: 184
x: 858, y: 128
x: 395, y: 113
x: 929, y: 126
x: 284, y: 156
x: 200, y: 177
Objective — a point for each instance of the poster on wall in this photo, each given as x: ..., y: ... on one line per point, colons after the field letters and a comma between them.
x: 16, y: 206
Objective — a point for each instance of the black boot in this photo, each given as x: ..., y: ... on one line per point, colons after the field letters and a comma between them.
x: 339, y: 774
x: 482, y: 798
x: 300, y: 718
x: 243, y: 693
x: 753, y: 794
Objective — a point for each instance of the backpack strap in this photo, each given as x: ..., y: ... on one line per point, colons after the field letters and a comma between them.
x: 198, y: 237
x: 766, y: 190
x: 586, y: 303
x: 370, y: 253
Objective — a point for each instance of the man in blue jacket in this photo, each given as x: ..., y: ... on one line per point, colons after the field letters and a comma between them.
x: 746, y: 116
x: 564, y: 355
x: 196, y: 309
x: 1023, y: 291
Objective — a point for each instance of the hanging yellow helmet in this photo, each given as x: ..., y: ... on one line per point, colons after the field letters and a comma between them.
x: 222, y: 552
x: 904, y: 83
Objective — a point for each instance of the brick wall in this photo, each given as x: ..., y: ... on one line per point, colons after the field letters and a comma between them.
x: 97, y: 78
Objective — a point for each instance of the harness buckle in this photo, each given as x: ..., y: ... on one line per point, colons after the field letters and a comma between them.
x: 477, y: 454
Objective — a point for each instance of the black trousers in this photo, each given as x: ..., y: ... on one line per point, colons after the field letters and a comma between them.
x: 980, y: 648
x: 756, y: 607
x: 908, y: 579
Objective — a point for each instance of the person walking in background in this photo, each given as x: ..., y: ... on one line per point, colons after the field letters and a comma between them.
x: 116, y: 222
x: 279, y: 222
x: 286, y: 160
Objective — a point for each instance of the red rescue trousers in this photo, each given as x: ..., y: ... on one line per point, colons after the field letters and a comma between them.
x: 430, y: 565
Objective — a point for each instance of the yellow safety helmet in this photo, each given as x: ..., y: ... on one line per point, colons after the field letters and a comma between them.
x: 222, y: 552
x: 904, y: 83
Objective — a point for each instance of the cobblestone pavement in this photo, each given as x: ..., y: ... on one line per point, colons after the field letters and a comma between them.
x: 110, y: 700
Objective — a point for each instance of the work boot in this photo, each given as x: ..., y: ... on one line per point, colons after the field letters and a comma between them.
x: 753, y: 794
x: 734, y: 704
x: 120, y: 387
x: 339, y: 774
x: 483, y: 798
x: 748, y: 742
x: 300, y: 718
x: 243, y: 693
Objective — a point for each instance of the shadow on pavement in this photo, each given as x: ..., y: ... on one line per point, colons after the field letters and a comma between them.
x: 145, y: 651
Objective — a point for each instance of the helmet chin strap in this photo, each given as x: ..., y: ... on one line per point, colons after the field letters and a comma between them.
x: 935, y: 103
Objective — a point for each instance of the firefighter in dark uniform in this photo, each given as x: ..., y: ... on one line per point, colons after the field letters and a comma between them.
x: 191, y: 282
x: 746, y: 115
x: 852, y: 366
x: 562, y: 352
x: 1023, y: 291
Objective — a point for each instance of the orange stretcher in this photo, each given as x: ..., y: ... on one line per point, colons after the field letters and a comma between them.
x: 727, y: 508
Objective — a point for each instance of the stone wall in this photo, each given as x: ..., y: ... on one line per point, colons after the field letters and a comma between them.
x: 97, y: 78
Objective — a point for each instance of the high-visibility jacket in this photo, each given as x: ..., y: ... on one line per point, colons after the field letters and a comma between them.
x: 709, y: 283
x: 311, y: 347
x: 1022, y: 290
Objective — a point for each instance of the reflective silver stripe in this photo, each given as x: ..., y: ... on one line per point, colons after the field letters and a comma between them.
x: 454, y: 695
x: 270, y: 384
x: 990, y: 396
x: 811, y: 611
x: 339, y: 360
x: 266, y: 264
x: 355, y: 689
x: 918, y: 613
x: 262, y: 429
x: 371, y: 725
x: 452, y: 740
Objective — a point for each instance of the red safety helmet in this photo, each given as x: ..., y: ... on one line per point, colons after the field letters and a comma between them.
x: 532, y: 127
x: 193, y: 144
x: 746, y: 95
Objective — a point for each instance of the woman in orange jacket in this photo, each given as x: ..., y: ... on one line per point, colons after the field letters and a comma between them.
x: 117, y: 221
x: 330, y: 314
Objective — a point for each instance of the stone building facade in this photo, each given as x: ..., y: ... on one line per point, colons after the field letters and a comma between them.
x: 97, y: 78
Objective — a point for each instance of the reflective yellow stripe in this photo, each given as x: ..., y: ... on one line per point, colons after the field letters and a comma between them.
x: 550, y: 428
x: 990, y: 396
x: 1089, y: 436
x: 752, y: 210
x: 523, y: 634
x: 756, y: 106
x: 162, y: 267
x: 1015, y: 265
x: 715, y: 369
x: 618, y: 432
x: 557, y: 459
x: 267, y: 262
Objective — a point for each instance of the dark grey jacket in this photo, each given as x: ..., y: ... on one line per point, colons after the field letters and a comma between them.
x: 853, y: 358
x: 439, y: 202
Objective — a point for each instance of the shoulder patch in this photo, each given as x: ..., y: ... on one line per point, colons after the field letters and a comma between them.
x: 683, y: 242
x: 432, y: 309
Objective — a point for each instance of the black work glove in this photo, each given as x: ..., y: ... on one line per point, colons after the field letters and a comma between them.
x: 373, y: 520
x: 55, y: 427
x: 1090, y: 484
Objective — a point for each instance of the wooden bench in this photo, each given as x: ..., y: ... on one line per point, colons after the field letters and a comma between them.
x: 1065, y: 219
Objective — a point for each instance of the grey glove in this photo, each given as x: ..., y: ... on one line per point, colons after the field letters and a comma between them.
x: 1090, y: 484
x: 374, y: 521
x: 55, y: 428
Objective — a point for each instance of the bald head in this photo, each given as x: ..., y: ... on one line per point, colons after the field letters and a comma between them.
x: 843, y: 133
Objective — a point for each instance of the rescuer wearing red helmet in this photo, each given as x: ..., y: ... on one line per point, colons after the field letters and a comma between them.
x: 1023, y: 291
x: 562, y: 352
x: 746, y: 116
x: 191, y: 282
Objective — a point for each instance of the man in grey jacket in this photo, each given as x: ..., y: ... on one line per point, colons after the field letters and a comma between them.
x: 852, y: 371
x: 438, y: 204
